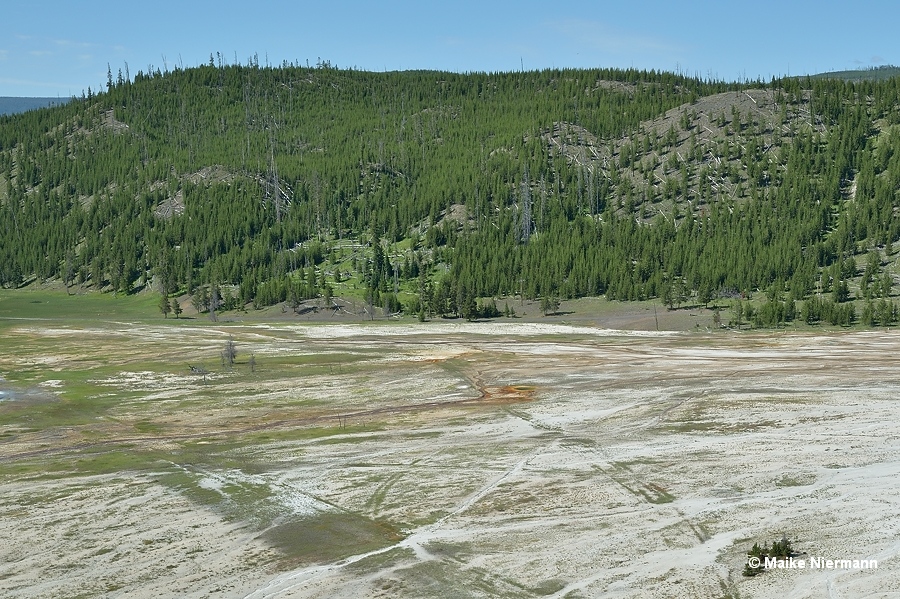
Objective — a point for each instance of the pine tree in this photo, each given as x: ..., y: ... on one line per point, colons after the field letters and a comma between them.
x: 164, y: 306
x: 737, y: 309
x: 549, y: 304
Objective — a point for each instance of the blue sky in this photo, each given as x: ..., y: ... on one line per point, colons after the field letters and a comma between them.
x: 58, y: 48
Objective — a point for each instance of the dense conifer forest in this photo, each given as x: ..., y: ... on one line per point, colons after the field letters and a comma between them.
x: 434, y: 192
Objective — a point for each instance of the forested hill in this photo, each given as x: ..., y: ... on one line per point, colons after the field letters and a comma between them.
x: 281, y: 183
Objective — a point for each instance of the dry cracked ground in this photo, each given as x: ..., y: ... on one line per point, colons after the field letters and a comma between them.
x: 443, y: 460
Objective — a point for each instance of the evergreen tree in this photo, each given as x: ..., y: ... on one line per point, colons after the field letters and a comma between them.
x: 549, y: 304
x: 164, y: 306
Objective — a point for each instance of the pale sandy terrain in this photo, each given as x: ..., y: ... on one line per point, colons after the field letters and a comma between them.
x: 446, y: 460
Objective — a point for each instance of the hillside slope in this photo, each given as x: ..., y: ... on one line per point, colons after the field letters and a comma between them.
x: 274, y: 184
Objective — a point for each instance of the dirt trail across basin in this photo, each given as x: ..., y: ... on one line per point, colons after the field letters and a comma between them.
x: 497, y: 461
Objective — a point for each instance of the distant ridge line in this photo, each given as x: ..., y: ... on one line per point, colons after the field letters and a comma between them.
x: 865, y: 74
x: 15, y: 105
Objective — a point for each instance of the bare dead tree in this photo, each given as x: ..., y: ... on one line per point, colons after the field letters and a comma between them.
x: 214, y: 303
x: 274, y: 190
x: 526, y: 207
x: 199, y: 370
x: 229, y: 353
